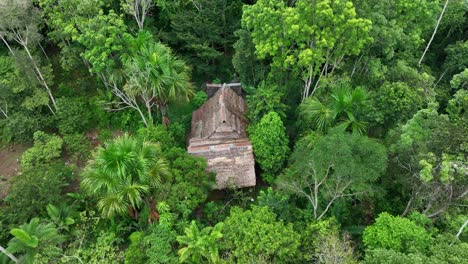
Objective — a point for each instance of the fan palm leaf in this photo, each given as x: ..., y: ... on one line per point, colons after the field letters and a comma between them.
x: 343, y: 109
x: 316, y: 113
x: 123, y: 173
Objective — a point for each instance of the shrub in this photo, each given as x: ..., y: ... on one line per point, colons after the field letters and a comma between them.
x: 46, y: 148
x: 73, y: 115
x: 396, y: 233
x: 19, y: 127
x: 199, y: 99
x: 270, y: 144
x: 77, y: 146
x: 34, y: 189
x: 256, y: 232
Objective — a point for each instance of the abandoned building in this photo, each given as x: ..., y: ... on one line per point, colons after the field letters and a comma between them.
x: 218, y: 134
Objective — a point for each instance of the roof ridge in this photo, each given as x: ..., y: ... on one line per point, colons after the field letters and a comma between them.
x: 222, y: 105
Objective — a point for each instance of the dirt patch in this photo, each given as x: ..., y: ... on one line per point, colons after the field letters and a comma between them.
x: 9, y: 165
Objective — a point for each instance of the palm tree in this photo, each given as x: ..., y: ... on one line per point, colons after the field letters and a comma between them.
x: 342, y: 109
x: 33, y: 238
x: 123, y: 174
x: 156, y: 75
x: 201, y: 245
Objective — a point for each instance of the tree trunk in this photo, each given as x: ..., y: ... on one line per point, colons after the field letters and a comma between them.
x: 435, y: 31
x: 8, y: 45
x: 42, y: 80
x: 4, y: 251
x: 150, y: 113
x: 154, y: 214
x: 142, y: 116
x: 461, y: 229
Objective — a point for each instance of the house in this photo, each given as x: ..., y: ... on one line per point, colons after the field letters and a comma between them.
x: 218, y: 134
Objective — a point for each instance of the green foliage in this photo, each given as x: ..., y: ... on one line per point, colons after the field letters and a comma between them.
x: 187, y: 185
x: 18, y: 95
x: 46, y: 148
x: 97, y: 60
x: 436, y: 175
x: 19, y: 127
x: 460, y: 81
x: 154, y: 75
x: 256, y: 232
x: 336, y: 165
x: 440, y: 252
x: 394, y: 102
x: 200, y: 245
x: 343, y: 108
x: 214, y: 212
x: 78, y: 146
x: 398, y: 25
x: 326, y: 245
x: 134, y: 253
x: 20, y: 24
x: 270, y: 144
x: 123, y: 174
x: 457, y: 107
x: 92, y: 241
x: 250, y: 69
x: 204, y: 32
x: 34, y: 189
x: 73, y: 115
x: 102, y: 37
x: 264, y: 99
x: 199, y: 99
x: 419, y: 129
x: 396, y: 233
x: 161, y: 244
x: 445, y: 250
x: 63, y: 216
x: 66, y: 20
x: 305, y: 35
x: 390, y: 256
x: 456, y: 60
x: 104, y: 251
x: 322, y: 243
x: 278, y: 203
x: 159, y: 133
x: 33, y: 238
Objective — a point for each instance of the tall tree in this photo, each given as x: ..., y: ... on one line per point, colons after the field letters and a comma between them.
x: 310, y: 37
x: 203, y: 33
x: 334, y: 166
x: 139, y: 9
x: 19, y: 22
x: 434, y: 33
x: 66, y: 21
x: 103, y: 39
x: 433, y: 170
x: 153, y: 76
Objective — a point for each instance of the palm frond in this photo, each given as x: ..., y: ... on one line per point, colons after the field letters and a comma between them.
x: 317, y: 114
